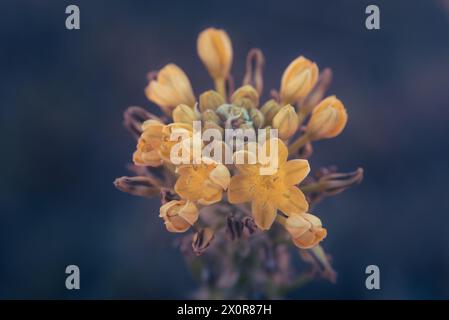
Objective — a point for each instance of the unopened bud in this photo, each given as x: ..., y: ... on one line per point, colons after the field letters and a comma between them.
x: 328, y: 119
x: 184, y: 114
x: 286, y: 121
x: 245, y: 97
x: 257, y: 118
x: 269, y: 110
x: 210, y: 100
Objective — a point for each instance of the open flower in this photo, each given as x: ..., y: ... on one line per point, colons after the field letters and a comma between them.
x: 306, y: 230
x: 179, y: 130
x: 148, y: 145
x: 298, y: 80
x: 203, y: 182
x: 170, y: 89
x: 267, y: 193
x: 328, y: 119
x: 179, y: 215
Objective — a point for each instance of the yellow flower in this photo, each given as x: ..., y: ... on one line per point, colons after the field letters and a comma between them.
x: 170, y: 89
x: 215, y: 50
x: 148, y: 145
x: 328, y: 119
x: 306, y: 230
x: 203, y: 182
x: 298, y: 80
x: 184, y: 114
x: 286, y: 121
x: 181, y: 130
x: 267, y: 193
x: 179, y: 215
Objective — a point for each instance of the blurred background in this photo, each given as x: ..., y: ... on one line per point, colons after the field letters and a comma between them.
x: 62, y: 94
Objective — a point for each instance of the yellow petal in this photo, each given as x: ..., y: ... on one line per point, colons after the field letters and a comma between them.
x: 240, y: 189
x: 220, y: 175
x: 263, y: 212
x: 292, y: 201
x: 295, y: 171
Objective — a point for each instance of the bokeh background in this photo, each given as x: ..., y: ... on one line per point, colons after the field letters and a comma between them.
x: 62, y: 94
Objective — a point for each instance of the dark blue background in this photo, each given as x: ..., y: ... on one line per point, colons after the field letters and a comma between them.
x: 62, y: 94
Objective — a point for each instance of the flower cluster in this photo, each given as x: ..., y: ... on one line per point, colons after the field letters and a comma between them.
x: 299, y: 111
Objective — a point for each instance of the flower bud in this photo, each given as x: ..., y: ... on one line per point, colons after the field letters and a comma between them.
x: 298, y: 80
x: 210, y: 100
x: 257, y: 118
x: 286, y: 121
x: 179, y: 215
x: 269, y: 110
x: 215, y: 50
x: 134, y: 117
x: 328, y: 119
x: 170, y: 89
x: 306, y: 230
x: 184, y: 114
x: 245, y: 97
x: 202, y: 240
x: 210, y: 115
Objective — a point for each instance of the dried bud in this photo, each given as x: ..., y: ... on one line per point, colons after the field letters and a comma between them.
x: 269, y: 110
x: 170, y: 89
x: 184, y: 114
x: 256, y: 117
x: 234, y: 228
x: 215, y: 50
x: 334, y: 183
x: 134, y: 117
x: 298, y: 80
x: 139, y: 186
x: 201, y: 240
x: 249, y: 226
x: 328, y: 119
x: 245, y: 97
x: 210, y: 100
x: 254, y: 67
x: 286, y: 121
x: 306, y: 230
x: 179, y: 215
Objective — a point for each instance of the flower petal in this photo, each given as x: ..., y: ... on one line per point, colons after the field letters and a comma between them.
x: 292, y: 201
x: 240, y: 189
x: 264, y: 212
x: 295, y: 171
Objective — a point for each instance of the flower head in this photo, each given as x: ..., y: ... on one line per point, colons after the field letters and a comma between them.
x: 268, y: 193
x: 179, y: 215
x: 170, y: 89
x: 306, y: 230
x: 203, y: 182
